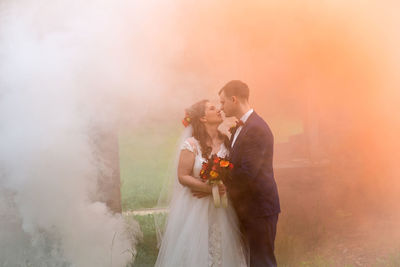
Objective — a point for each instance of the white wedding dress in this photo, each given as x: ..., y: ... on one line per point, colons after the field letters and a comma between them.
x: 197, y: 234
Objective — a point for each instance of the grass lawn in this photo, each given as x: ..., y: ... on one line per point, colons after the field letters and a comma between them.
x: 147, y: 249
x: 145, y: 158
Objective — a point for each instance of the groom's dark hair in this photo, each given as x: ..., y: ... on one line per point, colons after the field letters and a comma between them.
x: 235, y: 88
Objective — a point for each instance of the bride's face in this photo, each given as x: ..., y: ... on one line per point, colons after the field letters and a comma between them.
x: 212, y: 114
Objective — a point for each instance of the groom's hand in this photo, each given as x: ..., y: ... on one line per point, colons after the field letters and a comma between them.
x: 226, y: 125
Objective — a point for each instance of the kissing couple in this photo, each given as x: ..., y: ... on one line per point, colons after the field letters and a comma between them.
x: 199, y: 233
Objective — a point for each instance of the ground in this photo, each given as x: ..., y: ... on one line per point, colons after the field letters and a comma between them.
x: 316, y: 226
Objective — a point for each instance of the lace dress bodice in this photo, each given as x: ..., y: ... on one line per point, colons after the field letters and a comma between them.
x: 193, y: 145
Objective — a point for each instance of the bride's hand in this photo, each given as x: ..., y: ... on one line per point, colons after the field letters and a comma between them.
x: 199, y: 194
x: 206, y: 190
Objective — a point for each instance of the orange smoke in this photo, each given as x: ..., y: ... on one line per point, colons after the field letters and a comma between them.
x: 330, y: 65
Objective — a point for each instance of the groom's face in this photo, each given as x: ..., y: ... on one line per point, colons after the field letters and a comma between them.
x: 227, y: 105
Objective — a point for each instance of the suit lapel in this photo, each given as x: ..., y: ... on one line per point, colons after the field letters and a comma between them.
x: 231, y: 139
x: 242, y: 133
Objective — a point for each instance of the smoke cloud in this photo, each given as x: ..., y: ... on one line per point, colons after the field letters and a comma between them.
x: 69, y: 70
x: 327, y: 69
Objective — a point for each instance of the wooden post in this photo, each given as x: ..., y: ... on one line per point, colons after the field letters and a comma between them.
x: 109, y: 182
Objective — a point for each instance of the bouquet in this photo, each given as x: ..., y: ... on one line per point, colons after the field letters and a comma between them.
x: 213, y: 172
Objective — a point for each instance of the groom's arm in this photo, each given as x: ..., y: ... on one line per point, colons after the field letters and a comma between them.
x: 253, y: 151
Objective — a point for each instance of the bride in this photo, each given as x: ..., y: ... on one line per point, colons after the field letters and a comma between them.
x: 197, y: 234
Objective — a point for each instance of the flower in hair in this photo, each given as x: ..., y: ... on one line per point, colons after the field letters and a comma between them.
x: 187, y: 120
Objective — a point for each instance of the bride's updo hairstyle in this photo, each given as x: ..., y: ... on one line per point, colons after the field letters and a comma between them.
x: 193, y: 116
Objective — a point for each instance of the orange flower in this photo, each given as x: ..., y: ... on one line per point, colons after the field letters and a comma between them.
x: 224, y: 163
x: 216, y: 160
x: 187, y: 120
x: 202, y: 172
x: 214, y: 174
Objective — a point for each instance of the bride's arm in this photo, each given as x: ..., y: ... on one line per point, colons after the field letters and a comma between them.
x: 185, y: 167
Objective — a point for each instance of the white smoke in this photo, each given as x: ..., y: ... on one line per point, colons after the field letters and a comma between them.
x: 66, y: 68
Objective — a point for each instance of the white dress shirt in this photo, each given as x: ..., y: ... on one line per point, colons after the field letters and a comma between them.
x: 244, y: 119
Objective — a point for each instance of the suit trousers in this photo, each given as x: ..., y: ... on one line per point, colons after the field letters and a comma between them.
x: 259, y: 237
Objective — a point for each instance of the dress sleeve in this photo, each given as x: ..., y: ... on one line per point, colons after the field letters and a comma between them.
x: 188, y: 145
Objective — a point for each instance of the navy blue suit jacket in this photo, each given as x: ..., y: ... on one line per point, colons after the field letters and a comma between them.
x: 252, y: 187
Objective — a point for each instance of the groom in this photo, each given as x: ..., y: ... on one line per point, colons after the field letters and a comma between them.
x: 252, y: 187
